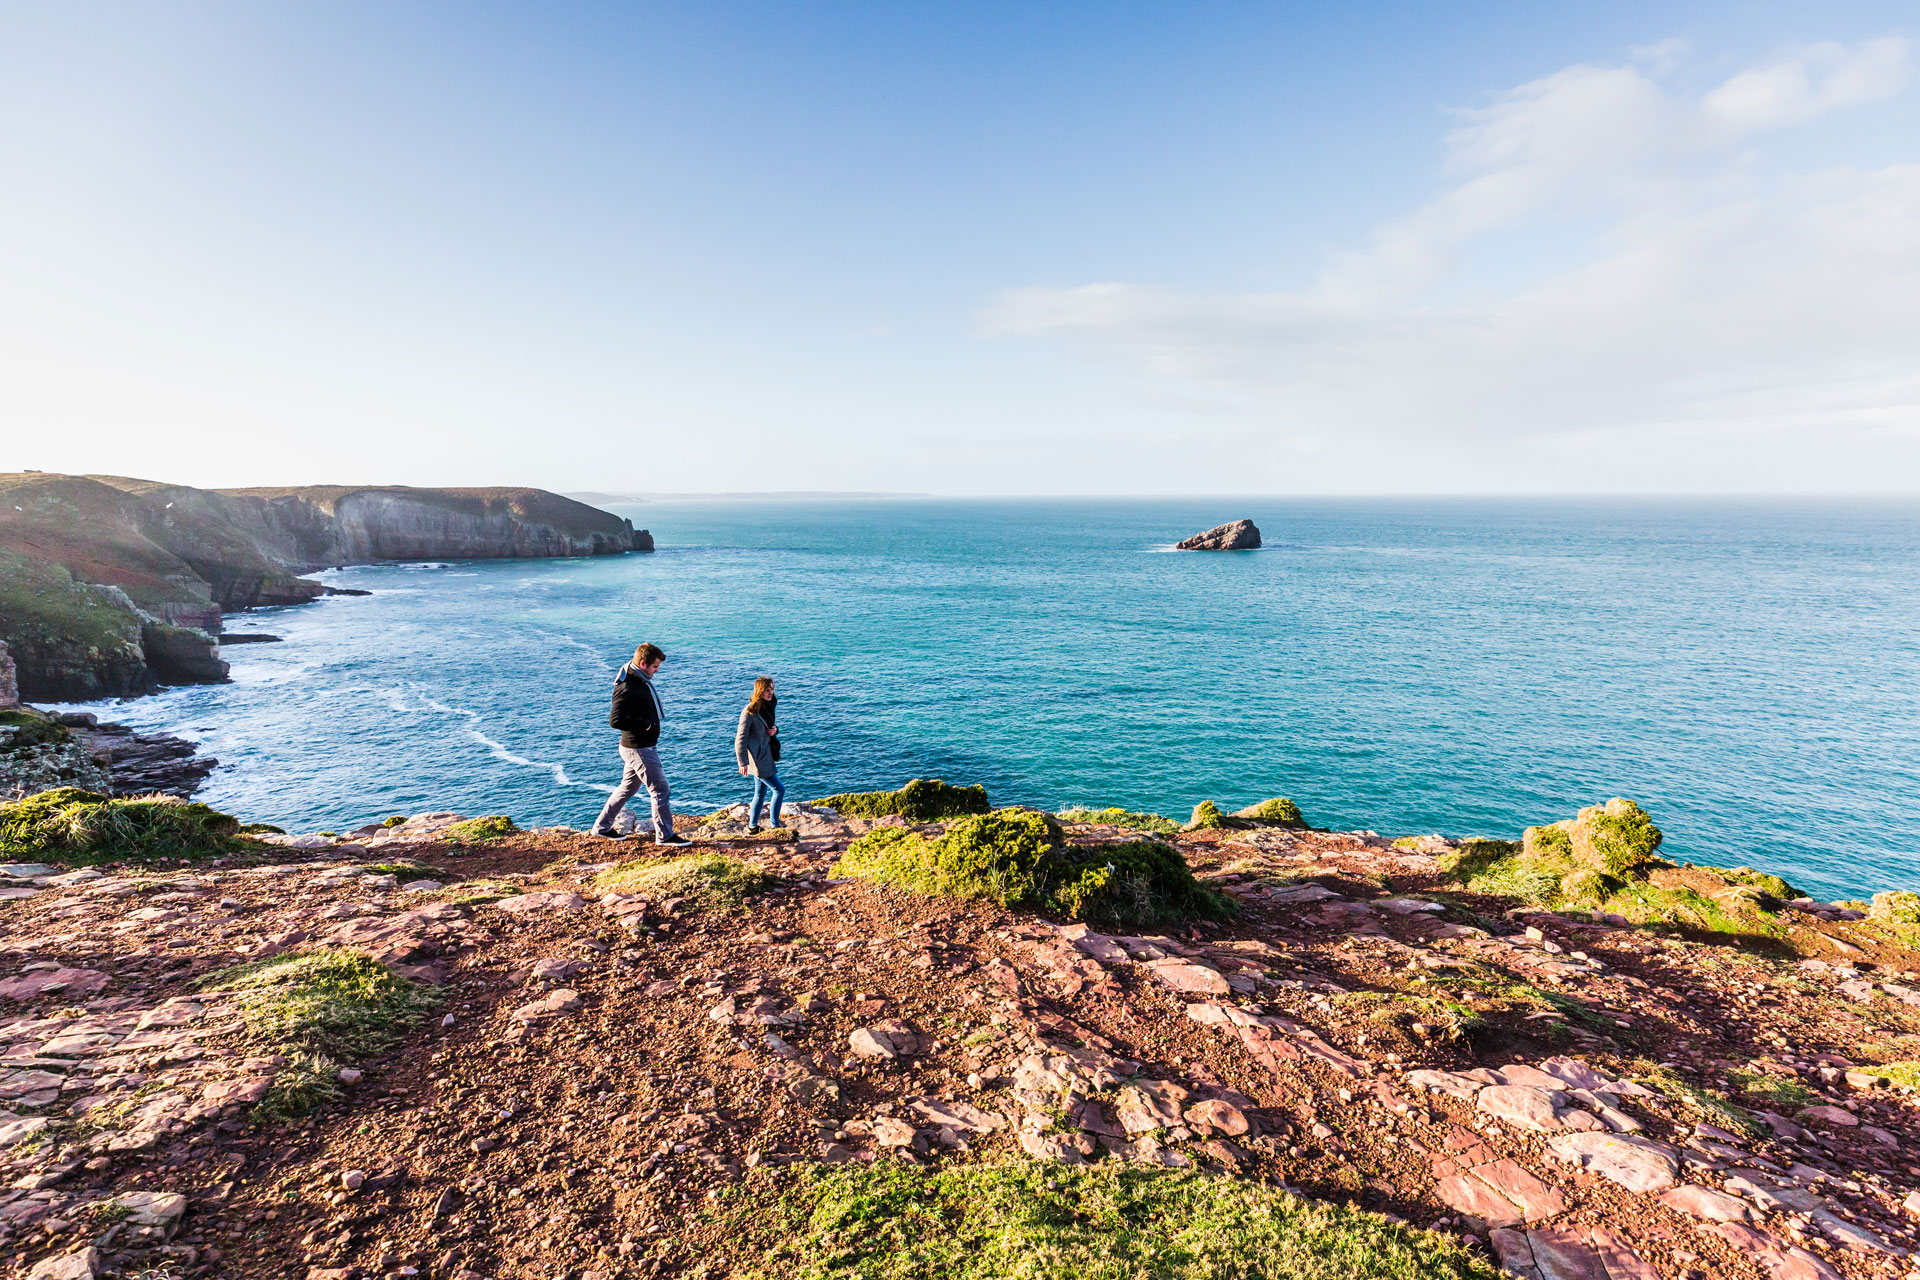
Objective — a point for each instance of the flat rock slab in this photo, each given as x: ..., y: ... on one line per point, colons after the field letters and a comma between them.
x: 1638, y: 1164
x: 151, y: 1208
x: 1570, y: 1253
x: 70, y: 982
x: 1195, y: 979
x: 1707, y: 1204
x: 561, y: 1000
x: 1830, y: 1115
x: 1293, y: 894
x: 527, y: 902
x: 1522, y: 1105
x: 27, y: 870
x: 84, y: 1265
x: 957, y: 1115
x: 1451, y: 1083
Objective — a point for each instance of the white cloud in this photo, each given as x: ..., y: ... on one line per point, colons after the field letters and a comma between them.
x: 1815, y: 80
x: 1725, y: 294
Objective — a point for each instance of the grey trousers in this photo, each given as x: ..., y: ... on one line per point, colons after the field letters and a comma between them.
x: 642, y: 770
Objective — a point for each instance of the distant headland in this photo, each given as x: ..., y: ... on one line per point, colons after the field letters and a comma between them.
x: 111, y: 587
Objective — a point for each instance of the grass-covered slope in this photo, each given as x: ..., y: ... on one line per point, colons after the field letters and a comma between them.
x: 1020, y: 859
x: 70, y: 642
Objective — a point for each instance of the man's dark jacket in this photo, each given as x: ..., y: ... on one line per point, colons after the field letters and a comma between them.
x: 636, y: 709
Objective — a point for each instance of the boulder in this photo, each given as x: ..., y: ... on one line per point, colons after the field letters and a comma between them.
x: 84, y: 1265
x: 884, y: 1041
x: 1236, y: 535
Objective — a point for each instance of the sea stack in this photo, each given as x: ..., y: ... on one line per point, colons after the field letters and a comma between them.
x: 1235, y: 535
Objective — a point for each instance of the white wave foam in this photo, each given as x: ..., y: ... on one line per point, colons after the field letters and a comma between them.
x: 559, y: 771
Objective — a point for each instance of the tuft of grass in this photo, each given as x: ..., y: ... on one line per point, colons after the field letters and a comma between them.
x: 921, y: 800
x: 1104, y: 1222
x: 1772, y: 1092
x: 82, y: 826
x: 709, y: 877
x: 330, y: 1001
x: 1122, y: 818
x: 418, y: 870
x: 1711, y: 1104
x: 480, y: 830
x: 302, y: 1087
x: 1019, y: 859
x: 1616, y: 837
x: 396, y: 820
x: 1206, y: 817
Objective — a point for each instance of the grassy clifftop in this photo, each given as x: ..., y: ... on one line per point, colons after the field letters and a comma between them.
x: 531, y: 506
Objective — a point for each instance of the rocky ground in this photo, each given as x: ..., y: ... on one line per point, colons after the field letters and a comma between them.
x: 607, y: 1073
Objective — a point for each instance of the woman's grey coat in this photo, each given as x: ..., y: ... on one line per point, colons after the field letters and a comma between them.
x: 751, y: 745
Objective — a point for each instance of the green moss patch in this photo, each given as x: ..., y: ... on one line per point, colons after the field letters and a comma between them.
x: 709, y: 877
x: 1019, y: 859
x: 1106, y: 1222
x: 1896, y: 1073
x: 1617, y: 838
x: 331, y: 1001
x: 1206, y: 817
x: 24, y: 730
x: 72, y: 825
x: 480, y: 830
x: 921, y: 800
x: 1770, y: 888
x: 1277, y: 812
x: 1122, y: 818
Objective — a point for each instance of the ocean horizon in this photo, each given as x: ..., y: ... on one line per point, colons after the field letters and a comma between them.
x: 1745, y: 668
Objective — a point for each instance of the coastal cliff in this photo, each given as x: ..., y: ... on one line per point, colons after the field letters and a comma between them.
x: 1240, y: 1044
x: 111, y: 586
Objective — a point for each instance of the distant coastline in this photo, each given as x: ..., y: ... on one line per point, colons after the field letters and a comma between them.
x: 596, y: 498
x: 112, y: 586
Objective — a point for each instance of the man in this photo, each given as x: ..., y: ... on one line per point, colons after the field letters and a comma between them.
x: 636, y: 714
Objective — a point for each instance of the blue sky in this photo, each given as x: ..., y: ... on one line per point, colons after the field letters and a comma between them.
x: 965, y: 249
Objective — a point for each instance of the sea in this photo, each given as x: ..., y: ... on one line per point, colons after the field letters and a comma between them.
x: 1748, y: 670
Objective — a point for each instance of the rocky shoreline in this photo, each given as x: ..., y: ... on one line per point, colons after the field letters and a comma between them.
x: 112, y: 587
x: 639, y: 1066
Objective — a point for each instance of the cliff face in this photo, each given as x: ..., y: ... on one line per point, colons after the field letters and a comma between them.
x: 110, y: 586
x: 398, y: 524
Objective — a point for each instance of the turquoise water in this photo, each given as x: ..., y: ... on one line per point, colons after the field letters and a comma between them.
x: 1747, y: 670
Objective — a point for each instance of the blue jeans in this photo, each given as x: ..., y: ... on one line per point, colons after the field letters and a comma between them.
x: 761, y: 787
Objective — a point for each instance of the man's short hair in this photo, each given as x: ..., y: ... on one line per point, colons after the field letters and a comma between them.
x: 648, y: 653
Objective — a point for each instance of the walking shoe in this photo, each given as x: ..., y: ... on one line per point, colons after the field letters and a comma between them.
x: 607, y: 835
x: 755, y: 829
x: 673, y: 842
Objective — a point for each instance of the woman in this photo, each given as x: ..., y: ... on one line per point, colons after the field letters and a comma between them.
x: 757, y: 747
